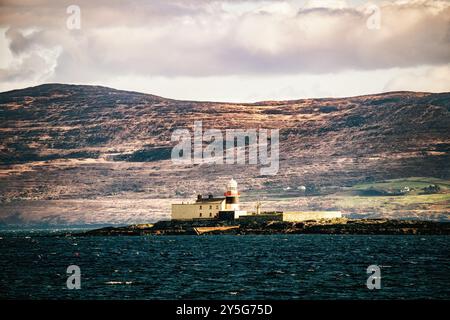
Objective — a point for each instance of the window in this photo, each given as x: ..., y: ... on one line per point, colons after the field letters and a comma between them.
x: 200, y: 207
x: 200, y: 214
x: 217, y: 207
x: 210, y: 214
x: 210, y: 207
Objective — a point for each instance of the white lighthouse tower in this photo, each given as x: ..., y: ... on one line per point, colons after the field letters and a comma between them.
x: 232, y: 200
x: 232, y: 196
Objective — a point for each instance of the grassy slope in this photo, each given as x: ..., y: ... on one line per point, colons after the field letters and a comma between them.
x: 414, y: 204
x: 416, y: 183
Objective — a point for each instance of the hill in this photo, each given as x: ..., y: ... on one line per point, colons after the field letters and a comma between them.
x: 80, y: 154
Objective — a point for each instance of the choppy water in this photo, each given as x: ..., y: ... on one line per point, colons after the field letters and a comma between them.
x: 33, y: 266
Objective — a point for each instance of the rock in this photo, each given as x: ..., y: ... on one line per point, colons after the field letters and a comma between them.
x: 335, y: 226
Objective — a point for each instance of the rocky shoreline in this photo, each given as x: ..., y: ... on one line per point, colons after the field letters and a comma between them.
x: 334, y: 226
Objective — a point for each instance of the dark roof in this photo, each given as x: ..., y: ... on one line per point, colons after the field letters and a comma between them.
x: 217, y: 199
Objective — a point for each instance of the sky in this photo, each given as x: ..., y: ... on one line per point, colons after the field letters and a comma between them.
x: 228, y: 50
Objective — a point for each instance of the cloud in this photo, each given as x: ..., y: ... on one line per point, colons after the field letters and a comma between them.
x: 31, y: 60
x: 203, y: 38
x: 426, y: 79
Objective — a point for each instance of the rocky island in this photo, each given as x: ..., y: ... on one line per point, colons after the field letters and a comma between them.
x: 268, y: 227
x: 226, y: 217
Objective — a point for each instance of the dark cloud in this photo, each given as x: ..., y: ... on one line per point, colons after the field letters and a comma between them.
x: 215, y: 38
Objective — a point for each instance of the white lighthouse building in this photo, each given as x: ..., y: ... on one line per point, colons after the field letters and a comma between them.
x: 232, y: 210
x: 211, y: 207
x: 232, y: 196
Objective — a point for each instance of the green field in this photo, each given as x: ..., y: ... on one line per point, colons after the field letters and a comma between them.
x: 416, y: 184
x: 414, y: 203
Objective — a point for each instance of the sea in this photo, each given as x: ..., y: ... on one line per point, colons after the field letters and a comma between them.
x: 34, y: 265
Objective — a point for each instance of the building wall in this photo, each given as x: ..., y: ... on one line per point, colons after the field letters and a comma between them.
x: 196, y: 210
x: 239, y: 213
x: 295, y: 216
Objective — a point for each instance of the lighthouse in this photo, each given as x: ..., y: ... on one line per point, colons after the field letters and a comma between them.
x: 210, y: 207
x: 232, y: 196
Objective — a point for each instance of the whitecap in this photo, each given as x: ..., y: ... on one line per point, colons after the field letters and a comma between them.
x: 118, y: 282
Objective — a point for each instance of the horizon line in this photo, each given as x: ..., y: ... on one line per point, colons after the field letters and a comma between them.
x: 223, y: 102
